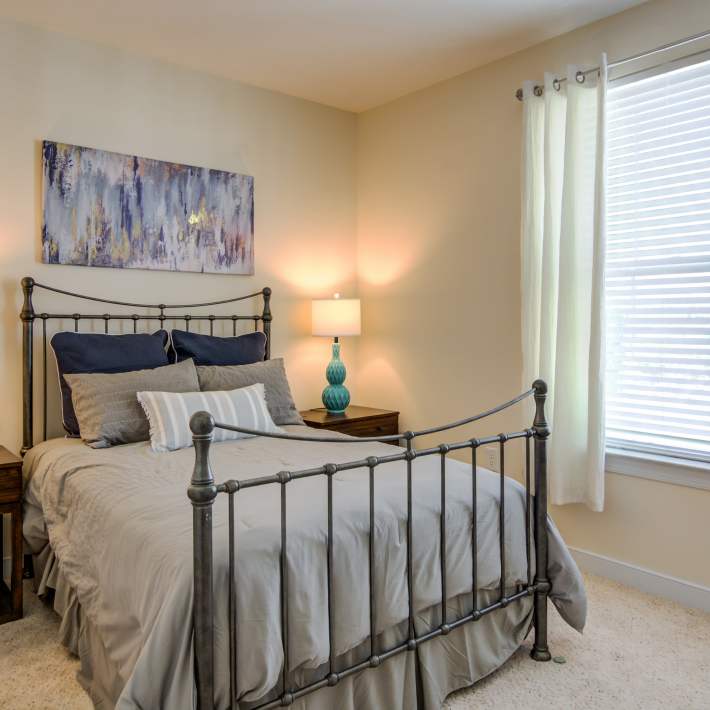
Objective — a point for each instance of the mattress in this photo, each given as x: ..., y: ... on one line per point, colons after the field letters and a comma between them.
x: 112, y: 531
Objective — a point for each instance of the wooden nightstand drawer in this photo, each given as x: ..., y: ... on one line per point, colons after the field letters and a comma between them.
x: 356, y: 421
x: 10, y: 485
x: 377, y: 427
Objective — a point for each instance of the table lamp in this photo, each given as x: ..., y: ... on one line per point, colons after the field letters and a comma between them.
x: 336, y: 317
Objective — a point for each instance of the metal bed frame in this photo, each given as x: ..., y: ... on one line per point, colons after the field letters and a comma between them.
x: 152, y: 312
x: 203, y: 491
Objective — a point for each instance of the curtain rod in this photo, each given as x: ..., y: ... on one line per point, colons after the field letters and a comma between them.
x: 580, y: 76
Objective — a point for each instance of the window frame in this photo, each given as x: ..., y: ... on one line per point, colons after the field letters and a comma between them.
x: 647, y: 461
x: 666, y: 469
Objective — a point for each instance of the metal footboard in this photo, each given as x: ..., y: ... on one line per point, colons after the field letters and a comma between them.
x: 203, y: 491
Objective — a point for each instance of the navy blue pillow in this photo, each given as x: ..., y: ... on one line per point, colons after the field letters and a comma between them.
x: 95, y: 352
x: 213, y: 350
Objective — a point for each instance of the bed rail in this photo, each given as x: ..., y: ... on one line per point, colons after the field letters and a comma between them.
x: 203, y: 490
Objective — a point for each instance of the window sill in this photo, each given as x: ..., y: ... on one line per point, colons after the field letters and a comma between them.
x: 681, y: 472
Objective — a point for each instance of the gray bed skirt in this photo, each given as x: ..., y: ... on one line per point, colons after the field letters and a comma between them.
x: 410, y: 681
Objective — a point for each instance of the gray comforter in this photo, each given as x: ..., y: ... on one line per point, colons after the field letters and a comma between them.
x: 119, y: 527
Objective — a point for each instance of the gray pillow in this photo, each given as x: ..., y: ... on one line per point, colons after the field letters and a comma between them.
x: 107, y: 407
x: 270, y: 372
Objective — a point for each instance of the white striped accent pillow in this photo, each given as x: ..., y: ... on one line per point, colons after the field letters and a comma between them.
x: 169, y: 414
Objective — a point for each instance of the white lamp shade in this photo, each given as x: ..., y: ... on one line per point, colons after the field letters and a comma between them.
x: 336, y: 317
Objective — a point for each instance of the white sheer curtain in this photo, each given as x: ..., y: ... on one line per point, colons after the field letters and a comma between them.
x: 563, y: 236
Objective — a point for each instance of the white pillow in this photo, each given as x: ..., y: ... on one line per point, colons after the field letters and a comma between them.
x: 169, y: 414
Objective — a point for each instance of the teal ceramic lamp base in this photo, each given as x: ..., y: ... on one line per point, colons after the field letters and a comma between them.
x: 336, y: 396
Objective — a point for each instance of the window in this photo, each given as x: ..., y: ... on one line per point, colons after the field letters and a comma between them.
x: 658, y: 264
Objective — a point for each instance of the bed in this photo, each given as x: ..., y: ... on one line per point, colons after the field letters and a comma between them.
x: 314, y: 571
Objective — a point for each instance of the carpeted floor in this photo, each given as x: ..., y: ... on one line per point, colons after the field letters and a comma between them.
x: 637, y: 652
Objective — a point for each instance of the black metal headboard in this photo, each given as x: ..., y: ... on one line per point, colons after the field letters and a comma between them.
x: 154, y: 312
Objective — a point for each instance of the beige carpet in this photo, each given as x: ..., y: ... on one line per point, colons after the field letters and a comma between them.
x: 637, y: 652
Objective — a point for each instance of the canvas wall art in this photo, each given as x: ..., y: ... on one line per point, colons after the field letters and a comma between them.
x: 123, y: 211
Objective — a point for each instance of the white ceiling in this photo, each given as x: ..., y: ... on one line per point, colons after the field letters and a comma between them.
x: 352, y: 54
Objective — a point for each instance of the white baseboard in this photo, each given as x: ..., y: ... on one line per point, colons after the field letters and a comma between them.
x: 661, y: 585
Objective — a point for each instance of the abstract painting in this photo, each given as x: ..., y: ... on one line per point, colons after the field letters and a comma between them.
x: 127, y: 212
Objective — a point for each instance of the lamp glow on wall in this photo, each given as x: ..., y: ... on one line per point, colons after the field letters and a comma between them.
x: 336, y: 317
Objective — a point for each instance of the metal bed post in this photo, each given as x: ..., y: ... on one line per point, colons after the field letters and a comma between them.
x: 27, y: 315
x: 541, y: 432
x: 202, y: 493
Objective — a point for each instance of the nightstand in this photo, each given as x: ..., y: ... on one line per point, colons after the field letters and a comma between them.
x: 356, y: 421
x: 11, y: 504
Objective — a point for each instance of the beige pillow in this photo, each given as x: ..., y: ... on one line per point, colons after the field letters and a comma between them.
x: 271, y: 373
x: 107, y: 406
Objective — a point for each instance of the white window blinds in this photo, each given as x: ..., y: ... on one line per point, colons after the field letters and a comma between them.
x: 658, y: 264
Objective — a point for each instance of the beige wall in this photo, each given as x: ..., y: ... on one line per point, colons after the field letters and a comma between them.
x: 302, y: 156
x: 438, y: 254
x: 437, y: 249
